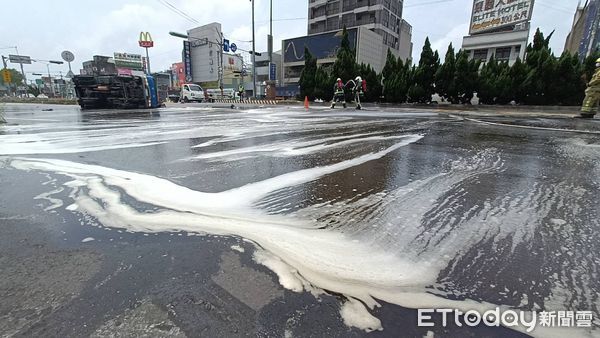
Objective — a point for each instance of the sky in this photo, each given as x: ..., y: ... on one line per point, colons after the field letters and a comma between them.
x: 43, y: 29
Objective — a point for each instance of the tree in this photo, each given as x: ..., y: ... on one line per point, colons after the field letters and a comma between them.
x: 345, y: 64
x: 589, y: 66
x: 445, y: 77
x: 307, y: 77
x: 540, y: 81
x: 466, y: 78
x: 488, y: 92
x: 17, y: 78
x: 518, y: 74
x: 33, y: 90
x: 374, y: 87
x: 323, y: 85
x: 503, y: 84
x: 390, y: 75
x: 568, y: 86
x: 424, y: 76
x: 395, y: 76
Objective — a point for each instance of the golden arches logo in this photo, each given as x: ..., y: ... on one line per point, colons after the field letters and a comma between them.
x: 146, y: 40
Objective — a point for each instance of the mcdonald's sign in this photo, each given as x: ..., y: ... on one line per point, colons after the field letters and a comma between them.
x: 146, y: 40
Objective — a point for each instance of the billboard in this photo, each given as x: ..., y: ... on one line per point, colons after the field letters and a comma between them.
x: 22, y: 59
x: 489, y: 15
x: 322, y: 46
x: 128, y: 61
x: 187, y: 61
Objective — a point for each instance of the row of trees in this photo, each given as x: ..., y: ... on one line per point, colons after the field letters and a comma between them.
x: 541, y: 79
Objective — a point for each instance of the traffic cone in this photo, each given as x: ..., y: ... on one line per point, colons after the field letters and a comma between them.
x: 306, y: 102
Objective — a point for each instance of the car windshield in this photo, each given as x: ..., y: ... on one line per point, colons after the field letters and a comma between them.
x: 195, y: 88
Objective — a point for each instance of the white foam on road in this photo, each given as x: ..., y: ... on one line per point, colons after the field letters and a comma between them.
x: 359, y: 265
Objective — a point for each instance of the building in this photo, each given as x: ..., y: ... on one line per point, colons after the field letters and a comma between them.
x: 99, y: 65
x: 499, y: 28
x: 265, y: 72
x: 374, y: 27
x: 205, y: 62
x: 383, y: 17
x: 205, y: 53
x: 584, y: 37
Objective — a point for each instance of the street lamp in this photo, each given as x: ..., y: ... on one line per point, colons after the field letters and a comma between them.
x: 179, y: 35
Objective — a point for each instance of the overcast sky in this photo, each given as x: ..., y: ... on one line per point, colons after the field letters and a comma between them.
x: 43, y: 29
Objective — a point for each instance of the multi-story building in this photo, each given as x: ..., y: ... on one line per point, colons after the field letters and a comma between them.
x: 498, y: 28
x: 374, y: 27
x: 99, y: 65
x: 383, y: 17
x: 584, y: 37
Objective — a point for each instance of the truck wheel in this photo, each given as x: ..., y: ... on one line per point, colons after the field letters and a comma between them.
x: 186, y: 100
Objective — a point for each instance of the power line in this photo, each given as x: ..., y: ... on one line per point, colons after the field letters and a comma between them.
x: 178, y: 11
x: 556, y: 8
x: 427, y: 3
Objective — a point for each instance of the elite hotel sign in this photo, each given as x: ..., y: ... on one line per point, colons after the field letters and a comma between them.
x: 493, y: 14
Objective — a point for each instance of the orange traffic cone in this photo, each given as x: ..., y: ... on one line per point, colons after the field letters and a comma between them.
x: 306, y: 102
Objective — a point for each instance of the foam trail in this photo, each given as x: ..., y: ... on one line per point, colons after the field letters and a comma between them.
x: 195, y: 201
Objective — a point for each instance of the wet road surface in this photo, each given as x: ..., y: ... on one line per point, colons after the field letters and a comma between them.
x: 199, y: 221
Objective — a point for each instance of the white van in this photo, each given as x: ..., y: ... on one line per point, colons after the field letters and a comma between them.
x: 191, y: 92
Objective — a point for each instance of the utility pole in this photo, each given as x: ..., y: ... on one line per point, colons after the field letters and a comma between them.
x: 270, y: 40
x: 22, y: 71
x: 50, y: 79
x: 253, y: 54
x: 220, y: 61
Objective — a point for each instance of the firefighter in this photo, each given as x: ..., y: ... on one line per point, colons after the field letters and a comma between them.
x: 360, y: 87
x: 338, y: 93
x: 592, y: 95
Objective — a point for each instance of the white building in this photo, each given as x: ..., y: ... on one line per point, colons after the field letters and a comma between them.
x: 205, y: 50
x: 500, y: 29
x: 504, y: 46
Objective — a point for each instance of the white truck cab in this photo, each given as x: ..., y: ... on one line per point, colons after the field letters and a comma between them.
x: 191, y: 92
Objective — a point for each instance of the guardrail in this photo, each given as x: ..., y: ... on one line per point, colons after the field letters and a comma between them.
x: 266, y: 102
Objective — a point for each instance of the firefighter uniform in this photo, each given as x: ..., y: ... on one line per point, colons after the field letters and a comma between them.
x: 592, y: 94
x: 339, y: 94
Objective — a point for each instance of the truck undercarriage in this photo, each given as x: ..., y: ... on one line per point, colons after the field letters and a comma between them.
x: 110, y: 92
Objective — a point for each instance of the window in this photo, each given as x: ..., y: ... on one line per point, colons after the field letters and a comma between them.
x: 480, y: 54
x: 503, y: 54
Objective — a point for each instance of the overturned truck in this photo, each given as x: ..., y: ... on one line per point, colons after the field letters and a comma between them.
x: 116, y: 92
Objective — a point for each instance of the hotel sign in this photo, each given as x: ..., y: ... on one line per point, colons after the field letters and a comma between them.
x: 494, y: 14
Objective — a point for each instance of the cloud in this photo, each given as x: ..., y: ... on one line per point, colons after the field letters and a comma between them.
x: 454, y: 36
